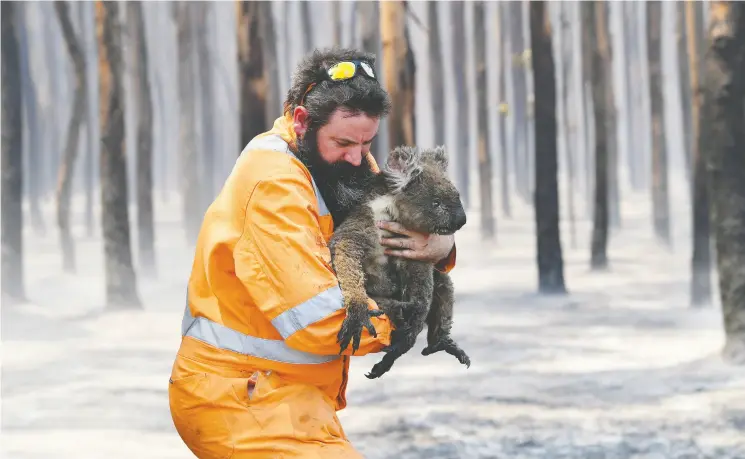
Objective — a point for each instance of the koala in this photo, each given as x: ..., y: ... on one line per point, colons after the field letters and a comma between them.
x: 412, y: 189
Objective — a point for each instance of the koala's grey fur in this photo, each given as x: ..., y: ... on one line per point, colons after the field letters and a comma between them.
x: 412, y: 189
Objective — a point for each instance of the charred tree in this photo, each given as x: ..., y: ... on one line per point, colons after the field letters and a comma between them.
x: 436, y: 73
x: 67, y: 166
x: 271, y: 73
x: 504, y: 111
x: 546, y: 197
x: 144, y: 107
x: 121, y: 283
x: 251, y: 72
x: 482, y: 115
x: 684, y: 70
x: 13, y: 290
x: 369, y: 20
x: 520, y: 114
x: 307, y: 25
x: 701, y: 254
x: 660, y: 205
x: 190, y: 177
x: 567, y: 63
x: 400, y: 69
x: 205, y: 63
x: 724, y: 104
x: 336, y: 20
x: 611, y: 121
x: 34, y: 119
x: 600, y: 76
x: 462, y: 145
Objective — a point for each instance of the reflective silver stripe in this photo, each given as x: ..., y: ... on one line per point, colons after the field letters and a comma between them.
x: 308, y: 312
x: 275, y: 143
x: 222, y: 337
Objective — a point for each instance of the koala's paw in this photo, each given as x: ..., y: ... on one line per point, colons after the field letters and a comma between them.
x: 358, y: 316
x: 451, y: 347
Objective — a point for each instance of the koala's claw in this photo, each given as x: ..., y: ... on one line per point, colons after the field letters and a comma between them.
x: 449, y: 346
x: 351, y: 328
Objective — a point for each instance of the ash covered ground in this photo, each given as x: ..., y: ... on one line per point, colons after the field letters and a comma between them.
x: 620, y: 367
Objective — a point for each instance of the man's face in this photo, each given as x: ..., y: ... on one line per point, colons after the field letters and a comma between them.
x: 346, y: 137
x: 335, y: 156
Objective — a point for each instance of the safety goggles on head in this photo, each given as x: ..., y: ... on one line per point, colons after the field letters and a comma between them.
x: 344, y: 70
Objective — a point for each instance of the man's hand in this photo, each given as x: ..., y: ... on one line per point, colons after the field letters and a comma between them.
x: 430, y: 248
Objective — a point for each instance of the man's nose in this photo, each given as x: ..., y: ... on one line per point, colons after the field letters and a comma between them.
x: 353, y: 156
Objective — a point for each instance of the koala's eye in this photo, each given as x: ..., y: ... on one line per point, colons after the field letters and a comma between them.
x: 436, y: 203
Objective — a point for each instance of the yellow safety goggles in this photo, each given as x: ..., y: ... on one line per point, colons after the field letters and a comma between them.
x: 344, y: 70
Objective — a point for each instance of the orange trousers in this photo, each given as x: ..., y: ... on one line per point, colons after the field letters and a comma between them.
x: 234, y: 416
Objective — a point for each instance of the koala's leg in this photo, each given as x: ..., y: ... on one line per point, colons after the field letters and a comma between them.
x: 347, y: 262
x: 440, y: 320
x: 404, y: 341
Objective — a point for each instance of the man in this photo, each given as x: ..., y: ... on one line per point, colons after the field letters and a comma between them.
x: 259, y: 373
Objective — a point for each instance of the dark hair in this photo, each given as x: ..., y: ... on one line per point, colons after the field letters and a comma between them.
x: 358, y: 94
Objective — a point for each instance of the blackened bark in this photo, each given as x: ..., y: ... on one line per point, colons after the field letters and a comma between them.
x: 251, y: 71
x: 701, y: 258
x: 121, y: 283
x: 503, y: 112
x: 369, y: 20
x: 684, y: 70
x: 144, y: 107
x: 600, y: 80
x: 67, y: 166
x: 611, y: 113
x: 546, y: 198
x: 307, y: 25
x: 13, y: 289
x: 437, y: 69
x: 482, y: 115
x: 190, y: 178
x: 271, y: 73
x: 520, y: 147
x: 660, y: 205
x: 209, y: 153
x: 399, y: 73
x: 567, y: 63
x: 461, y: 96
x: 34, y: 118
x: 724, y: 97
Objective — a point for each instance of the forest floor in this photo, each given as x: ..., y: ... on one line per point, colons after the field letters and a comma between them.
x: 621, y: 367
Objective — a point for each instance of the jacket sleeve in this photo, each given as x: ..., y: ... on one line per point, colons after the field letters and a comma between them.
x: 448, y: 263
x: 284, y: 262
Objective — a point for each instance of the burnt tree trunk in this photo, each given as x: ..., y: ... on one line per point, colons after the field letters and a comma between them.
x: 251, y: 72
x: 520, y: 115
x: 567, y: 63
x: 34, y: 119
x: 121, y: 282
x: 546, y: 197
x: 724, y: 103
x: 503, y: 111
x: 684, y: 70
x: 701, y: 254
x: 600, y: 76
x: 67, y: 166
x: 660, y: 205
x: 205, y: 62
x: 273, y: 105
x: 369, y: 20
x: 482, y: 115
x: 13, y: 290
x: 307, y: 25
x: 190, y: 177
x: 437, y: 70
x: 611, y: 123
x: 144, y: 107
x: 462, y: 143
x: 336, y: 21
x: 398, y: 61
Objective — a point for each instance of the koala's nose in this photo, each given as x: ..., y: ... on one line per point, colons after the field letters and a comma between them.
x: 460, y: 218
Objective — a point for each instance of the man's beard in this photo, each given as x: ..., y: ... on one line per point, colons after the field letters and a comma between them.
x: 342, y: 185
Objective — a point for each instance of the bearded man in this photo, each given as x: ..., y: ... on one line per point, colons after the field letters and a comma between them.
x: 258, y: 373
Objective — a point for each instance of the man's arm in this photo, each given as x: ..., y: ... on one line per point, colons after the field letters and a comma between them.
x: 283, y: 261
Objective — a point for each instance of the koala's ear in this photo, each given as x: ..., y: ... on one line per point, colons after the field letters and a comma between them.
x: 440, y: 156
x: 402, y: 165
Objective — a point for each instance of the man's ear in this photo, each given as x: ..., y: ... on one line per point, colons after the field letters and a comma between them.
x: 300, y: 121
x: 403, y: 164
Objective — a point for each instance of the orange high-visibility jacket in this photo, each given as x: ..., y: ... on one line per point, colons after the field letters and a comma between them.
x: 262, y: 294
